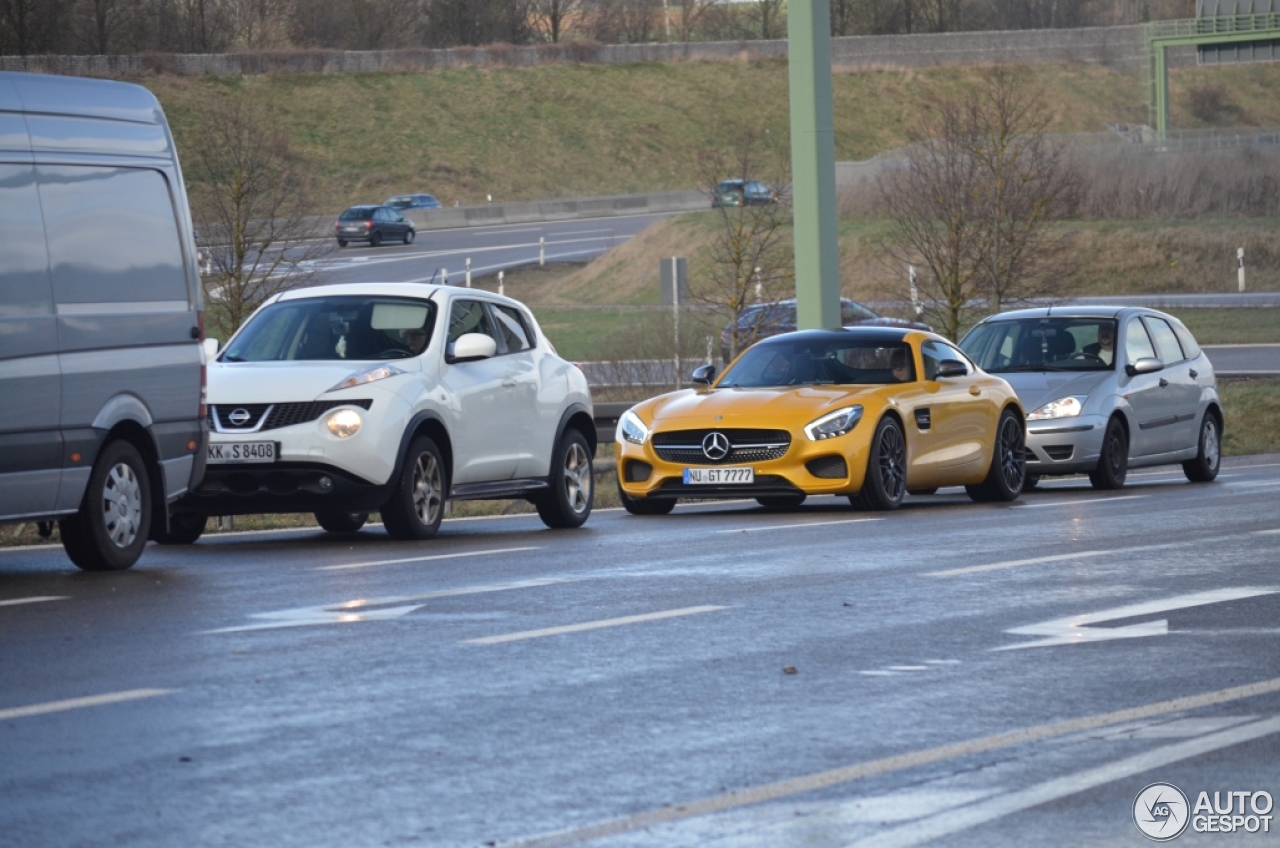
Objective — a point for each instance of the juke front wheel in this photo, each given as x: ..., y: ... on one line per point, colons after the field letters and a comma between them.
x: 1008, y: 470
x: 568, y: 502
x: 341, y: 522
x: 184, y: 529
x: 111, y: 528
x: 416, y: 505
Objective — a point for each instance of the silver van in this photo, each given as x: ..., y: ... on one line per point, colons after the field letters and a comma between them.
x: 102, y: 420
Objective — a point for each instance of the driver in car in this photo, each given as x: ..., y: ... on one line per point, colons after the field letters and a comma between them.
x: 416, y: 339
x: 1104, y: 348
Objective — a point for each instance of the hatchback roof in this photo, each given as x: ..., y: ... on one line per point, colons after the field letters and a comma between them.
x: 1101, y: 310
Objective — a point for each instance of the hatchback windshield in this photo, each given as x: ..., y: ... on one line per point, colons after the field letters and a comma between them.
x: 335, y: 328
x: 823, y: 361
x: 357, y: 213
x: 1043, y: 344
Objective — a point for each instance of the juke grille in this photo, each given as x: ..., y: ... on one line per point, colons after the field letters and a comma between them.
x: 685, y: 446
x: 277, y: 414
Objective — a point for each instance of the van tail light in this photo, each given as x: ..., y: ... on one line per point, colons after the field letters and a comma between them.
x: 204, y: 371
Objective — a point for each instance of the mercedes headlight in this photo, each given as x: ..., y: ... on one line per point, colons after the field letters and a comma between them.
x: 834, y: 424
x: 368, y: 375
x: 1067, y: 407
x: 631, y: 429
x: 344, y: 423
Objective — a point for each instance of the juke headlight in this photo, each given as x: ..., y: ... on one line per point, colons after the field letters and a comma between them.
x: 368, y: 375
x: 631, y: 429
x: 1067, y: 407
x: 344, y: 423
x: 834, y: 424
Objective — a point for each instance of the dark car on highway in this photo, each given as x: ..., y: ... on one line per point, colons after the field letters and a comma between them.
x: 742, y: 193
x: 762, y: 320
x: 402, y: 202
x: 374, y: 224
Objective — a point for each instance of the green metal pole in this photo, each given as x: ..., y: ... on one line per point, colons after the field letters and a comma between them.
x: 1162, y: 91
x: 813, y: 164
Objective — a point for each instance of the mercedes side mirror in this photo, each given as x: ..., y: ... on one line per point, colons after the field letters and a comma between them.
x: 472, y: 346
x: 704, y: 374
x: 1145, y: 365
x: 952, y: 368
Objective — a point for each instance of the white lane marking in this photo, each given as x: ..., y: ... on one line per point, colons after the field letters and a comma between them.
x: 879, y: 673
x: 848, y: 774
x: 1074, y: 629
x: 963, y: 818
x: 1266, y: 532
x: 908, y: 668
x: 591, y: 625
x: 354, y: 565
x: 796, y: 525
x: 374, y: 609
x: 1078, y: 501
x: 1260, y: 485
x: 942, y: 662
x: 13, y: 602
x: 78, y: 703
x: 1017, y: 563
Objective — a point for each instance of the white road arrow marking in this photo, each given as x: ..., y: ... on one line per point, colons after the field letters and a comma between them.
x: 1075, y: 629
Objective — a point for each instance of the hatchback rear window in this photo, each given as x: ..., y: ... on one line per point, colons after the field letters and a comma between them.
x: 356, y: 215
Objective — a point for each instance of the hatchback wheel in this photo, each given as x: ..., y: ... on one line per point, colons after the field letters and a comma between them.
x: 1113, y: 464
x: 341, y: 522
x: 1008, y: 471
x: 110, y: 530
x: 184, y: 529
x: 375, y: 239
x: 408, y: 236
x: 342, y: 242
x: 568, y: 502
x: 1204, y: 467
x: 885, y: 485
x: 416, y: 506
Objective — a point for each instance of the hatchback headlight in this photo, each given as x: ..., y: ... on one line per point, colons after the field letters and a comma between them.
x: 368, y: 375
x: 344, y: 423
x: 1067, y: 407
x: 834, y: 424
x: 631, y: 429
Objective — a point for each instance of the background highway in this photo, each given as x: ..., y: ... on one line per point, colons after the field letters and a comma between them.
x: 951, y: 674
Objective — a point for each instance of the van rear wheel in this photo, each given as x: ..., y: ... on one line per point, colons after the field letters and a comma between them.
x: 111, y: 528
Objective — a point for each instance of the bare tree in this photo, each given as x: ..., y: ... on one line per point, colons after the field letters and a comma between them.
x: 752, y: 262
x: 248, y: 194
x: 550, y: 16
x: 971, y: 202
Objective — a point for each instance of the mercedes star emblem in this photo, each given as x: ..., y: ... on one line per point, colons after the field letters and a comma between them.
x: 715, y: 446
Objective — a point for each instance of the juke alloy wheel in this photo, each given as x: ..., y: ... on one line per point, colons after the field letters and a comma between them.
x: 568, y: 501
x: 416, y: 506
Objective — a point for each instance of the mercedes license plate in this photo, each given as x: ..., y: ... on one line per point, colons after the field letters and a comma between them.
x: 719, y: 476
x: 223, y: 452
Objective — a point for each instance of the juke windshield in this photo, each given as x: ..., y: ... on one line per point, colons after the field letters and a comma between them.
x: 821, y: 362
x: 1043, y: 344
x: 335, y: 328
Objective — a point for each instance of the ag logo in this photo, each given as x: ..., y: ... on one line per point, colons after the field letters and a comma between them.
x: 1161, y: 812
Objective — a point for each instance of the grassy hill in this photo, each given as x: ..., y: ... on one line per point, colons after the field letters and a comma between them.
x: 572, y: 131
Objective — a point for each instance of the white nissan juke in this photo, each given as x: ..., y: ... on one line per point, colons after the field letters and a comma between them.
x: 348, y: 399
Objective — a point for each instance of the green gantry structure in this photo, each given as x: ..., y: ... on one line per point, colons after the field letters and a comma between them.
x: 1208, y: 34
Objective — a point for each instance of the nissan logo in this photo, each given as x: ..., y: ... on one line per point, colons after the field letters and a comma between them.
x: 715, y: 446
x: 239, y: 417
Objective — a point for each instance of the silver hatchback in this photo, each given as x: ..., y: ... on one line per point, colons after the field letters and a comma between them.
x: 1106, y: 389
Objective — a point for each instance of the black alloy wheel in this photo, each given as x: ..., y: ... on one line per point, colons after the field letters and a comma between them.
x: 1204, y: 468
x: 646, y: 506
x: 375, y: 239
x: 341, y: 522
x: 567, y: 503
x: 342, y: 242
x: 416, y: 506
x: 408, y: 236
x: 1030, y: 482
x: 1113, y: 464
x: 885, y: 484
x: 111, y: 528
x: 184, y: 529
x: 1008, y: 471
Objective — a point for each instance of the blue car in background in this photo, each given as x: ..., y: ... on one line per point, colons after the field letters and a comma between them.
x: 401, y: 202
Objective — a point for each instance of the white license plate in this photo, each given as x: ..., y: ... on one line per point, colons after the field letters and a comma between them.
x: 222, y: 452
x: 713, y: 476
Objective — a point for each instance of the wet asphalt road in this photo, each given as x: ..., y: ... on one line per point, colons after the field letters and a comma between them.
x: 299, y: 689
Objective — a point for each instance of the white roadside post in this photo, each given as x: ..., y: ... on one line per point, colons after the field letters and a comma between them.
x: 501, y: 287
x: 444, y: 277
x: 542, y: 251
x: 468, y: 272
x: 915, y: 292
x: 675, y: 311
x: 1240, y: 266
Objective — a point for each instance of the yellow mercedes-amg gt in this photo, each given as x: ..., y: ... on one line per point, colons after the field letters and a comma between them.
x: 868, y: 412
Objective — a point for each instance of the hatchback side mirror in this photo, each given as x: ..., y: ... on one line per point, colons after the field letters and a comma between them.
x: 952, y: 368
x: 472, y: 346
x: 1145, y: 365
x: 704, y: 374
